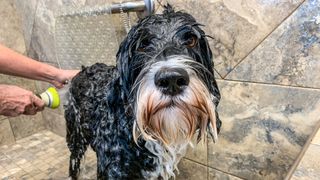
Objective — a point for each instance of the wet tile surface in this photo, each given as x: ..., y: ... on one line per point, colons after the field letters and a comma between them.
x: 191, y: 170
x: 23, y: 126
x: 10, y: 30
x: 218, y: 175
x: 290, y: 55
x: 6, y: 135
x: 264, y: 129
x: 198, y: 152
x: 236, y: 26
x: 43, y: 155
x: 309, y: 167
x: 55, y: 122
x: 316, y: 139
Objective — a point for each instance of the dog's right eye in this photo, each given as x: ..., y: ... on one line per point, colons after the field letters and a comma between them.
x: 143, y: 45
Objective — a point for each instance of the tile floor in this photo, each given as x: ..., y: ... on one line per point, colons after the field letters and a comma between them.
x: 44, y: 155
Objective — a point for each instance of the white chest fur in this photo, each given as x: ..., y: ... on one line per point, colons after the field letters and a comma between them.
x: 167, y: 159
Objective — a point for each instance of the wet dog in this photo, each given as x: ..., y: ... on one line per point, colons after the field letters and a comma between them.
x: 140, y: 116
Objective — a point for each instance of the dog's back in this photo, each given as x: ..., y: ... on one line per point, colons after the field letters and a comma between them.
x: 96, y: 116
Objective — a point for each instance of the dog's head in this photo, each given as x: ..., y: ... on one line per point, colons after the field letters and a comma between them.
x: 166, y: 69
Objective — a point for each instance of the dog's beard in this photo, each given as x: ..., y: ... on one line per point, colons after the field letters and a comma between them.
x: 174, y: 119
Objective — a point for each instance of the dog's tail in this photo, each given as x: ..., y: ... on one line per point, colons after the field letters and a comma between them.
x: 76, y: 141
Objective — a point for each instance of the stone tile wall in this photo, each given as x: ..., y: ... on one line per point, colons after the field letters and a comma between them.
x: 11, y: 35
x: 266, y: 56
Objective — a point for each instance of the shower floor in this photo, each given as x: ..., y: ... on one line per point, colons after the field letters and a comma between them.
x: 45, y: 155
x: 41, y: 156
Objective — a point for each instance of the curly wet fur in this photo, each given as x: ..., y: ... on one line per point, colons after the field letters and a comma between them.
x: 102, y: 101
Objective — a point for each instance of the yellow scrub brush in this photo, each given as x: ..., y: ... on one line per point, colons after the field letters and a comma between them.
x: 50, y: 97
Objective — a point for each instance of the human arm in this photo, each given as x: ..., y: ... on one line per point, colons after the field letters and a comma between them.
x: 13, y: 63
x: 15, y: 101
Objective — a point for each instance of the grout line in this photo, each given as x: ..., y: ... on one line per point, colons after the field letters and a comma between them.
x: 318, y: 145
x: 220, y: 76
x: 212, y: 168
x: 276, y: 27
x: 301, y: 154
x: 14, y: 136
x: 270, y: 84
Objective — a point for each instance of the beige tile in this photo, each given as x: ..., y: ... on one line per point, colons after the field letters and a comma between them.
x: 264, y: 129
x: 40, y: 176
x: 236, y: 26
x: 6, y: 135
x: 23, y: 125
x: 191, y: 170
x: 316, y: 139
x: 199, y: 152
x: 26, y: 10
x: 55, y: 122
x: 289, y: 56
x: 11, y: 28
x: 309, y: 167
x: 218, y: 175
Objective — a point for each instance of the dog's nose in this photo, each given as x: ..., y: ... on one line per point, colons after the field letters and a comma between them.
x: 171, y: 81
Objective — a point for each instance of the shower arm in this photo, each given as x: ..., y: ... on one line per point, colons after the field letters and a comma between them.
x: 142, y: 8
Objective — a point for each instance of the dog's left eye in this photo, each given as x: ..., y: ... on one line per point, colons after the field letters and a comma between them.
x: 190, y: 40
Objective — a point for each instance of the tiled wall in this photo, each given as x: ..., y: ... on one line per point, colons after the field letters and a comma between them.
x: 266, y: 56
x: 11, y: 35
x: 267, y: 60
x: 42, y: 40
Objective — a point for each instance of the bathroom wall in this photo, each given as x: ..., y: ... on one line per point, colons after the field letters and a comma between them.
x: 267, y: 60
x: 44, y: 43
x: 11, y: 35
x: 266, y: 56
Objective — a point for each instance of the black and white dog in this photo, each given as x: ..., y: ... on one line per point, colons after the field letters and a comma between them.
x: 140, y: 116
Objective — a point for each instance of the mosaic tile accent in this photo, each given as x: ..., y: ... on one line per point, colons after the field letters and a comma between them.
x: 237, y: 27
x: 264, y: 129
x: 43, y: 155
x: 290, y: 55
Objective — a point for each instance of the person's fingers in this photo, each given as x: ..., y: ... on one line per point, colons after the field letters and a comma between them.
x: 64, y: 78
x: 57, y: 84
x: 38, y: 103
x: 30, y: 110
x: 10, y: 113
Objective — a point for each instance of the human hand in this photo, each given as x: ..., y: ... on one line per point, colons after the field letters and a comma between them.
x: 15, y: 101
x: 62, y: 77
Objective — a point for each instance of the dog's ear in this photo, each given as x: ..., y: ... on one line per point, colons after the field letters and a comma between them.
x: 123, y: 59
x: 124, y: 62
x: 207, y: 59
x: 168, y: 9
